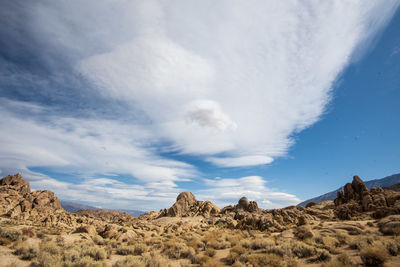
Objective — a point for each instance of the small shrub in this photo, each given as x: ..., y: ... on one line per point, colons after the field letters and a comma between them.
x: 130, y: 261
x: 126, y: 250
x: 27, y: 232
x: 46, y: 259
x: 374, y: 255
x: 5, y: 241
x: 238, y: 249
x: 271, y: 260
x: 140, y: 249
x: 392, y: 247
x: 303, y: 250
x: 262, y: 244
x: 95, y: 253
x: 98, y: 240
x: 11, y: 235
x: 210, y: 252
x: 245, y: 243
x: 26, y: 253
x: 213, y: 263
x: 343, y: 260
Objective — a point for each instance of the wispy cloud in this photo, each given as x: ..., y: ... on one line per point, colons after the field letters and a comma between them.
x: 102, y: 88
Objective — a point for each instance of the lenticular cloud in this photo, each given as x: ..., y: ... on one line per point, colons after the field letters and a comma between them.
x: 253, y: 73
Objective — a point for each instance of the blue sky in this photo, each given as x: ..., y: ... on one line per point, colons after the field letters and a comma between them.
x: 125, y: 106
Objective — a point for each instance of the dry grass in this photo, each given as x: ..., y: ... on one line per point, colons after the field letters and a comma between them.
x: 374, y: 255
x: 271, y: 260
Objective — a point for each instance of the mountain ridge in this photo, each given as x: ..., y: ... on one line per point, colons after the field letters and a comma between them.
x: 74, y: 207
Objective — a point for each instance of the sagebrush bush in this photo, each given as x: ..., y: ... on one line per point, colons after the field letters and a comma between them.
x: 392, y: 247
x: 262, y: 244
x: 210, y: 252
x: 130, y: 261
x: 96, y: 253
x: 302, y: 250
x: 374, y: 255
x: 11, y: 235
x: 271, y: 260
x: 26, y: 252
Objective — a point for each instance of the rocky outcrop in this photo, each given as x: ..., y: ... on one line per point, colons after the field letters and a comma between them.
x: 106, y: 215
x: 40, y: 207
x: 356, y: 200
x: 187, y: 205
x: 247, y: 215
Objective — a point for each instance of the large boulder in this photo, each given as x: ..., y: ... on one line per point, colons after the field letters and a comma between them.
x: 17, y: 183
x: 187, y: 205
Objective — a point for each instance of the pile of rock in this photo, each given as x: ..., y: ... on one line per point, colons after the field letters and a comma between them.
x: 186, y: 205
x: 356, y: 200
x: 40, y: 207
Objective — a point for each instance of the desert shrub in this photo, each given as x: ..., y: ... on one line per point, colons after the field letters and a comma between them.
x: 26, y: 252
x: 342, y: 237
x: 292, y: 262
x: 98, y: 240
x: 126, y: 250
x: 262, y: 243
x: 303, y: 232
x: 321, y: 255
x: 213, y: 263
x: 343, y: 260
x: 5, y: 241
x: 155, y: 260
x: 195, y: 243
x: 271, y: 260
x: 96, y: 253
x: 374, y: 255
x: 28, y: 232
x: 179, y: 250
x: 233, y: 240
x: 392, y: 247
x: 357, y: 243
x: 130, y: 261
x: 11, y: 235
x: 210, y: 252
x: 232, y: 257
x: 245, y: 243
x: 71, y: 255
x: 87, y: 261
x: 238, y: 249
x: 46, y: 259
x: 50, y: 247
x: 302, y: 250
x: 140, y: 248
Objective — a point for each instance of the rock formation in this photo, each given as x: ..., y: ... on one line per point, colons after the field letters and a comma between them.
x: 187, y: 205
x: 356, y: 199
x: 39, y: 207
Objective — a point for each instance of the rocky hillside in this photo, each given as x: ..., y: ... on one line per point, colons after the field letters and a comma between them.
x: 39, y: 207
x: 377, y: 183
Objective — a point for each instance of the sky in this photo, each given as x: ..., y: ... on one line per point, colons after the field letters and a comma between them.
x: 125, y: 104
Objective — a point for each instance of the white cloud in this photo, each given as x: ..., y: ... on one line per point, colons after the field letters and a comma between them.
x: 227, y: 191
x: 265, y: 68
x: 241, y: 161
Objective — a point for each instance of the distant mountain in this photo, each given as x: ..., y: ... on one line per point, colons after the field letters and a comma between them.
x: 74, y: 207
x: 384, y: 182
